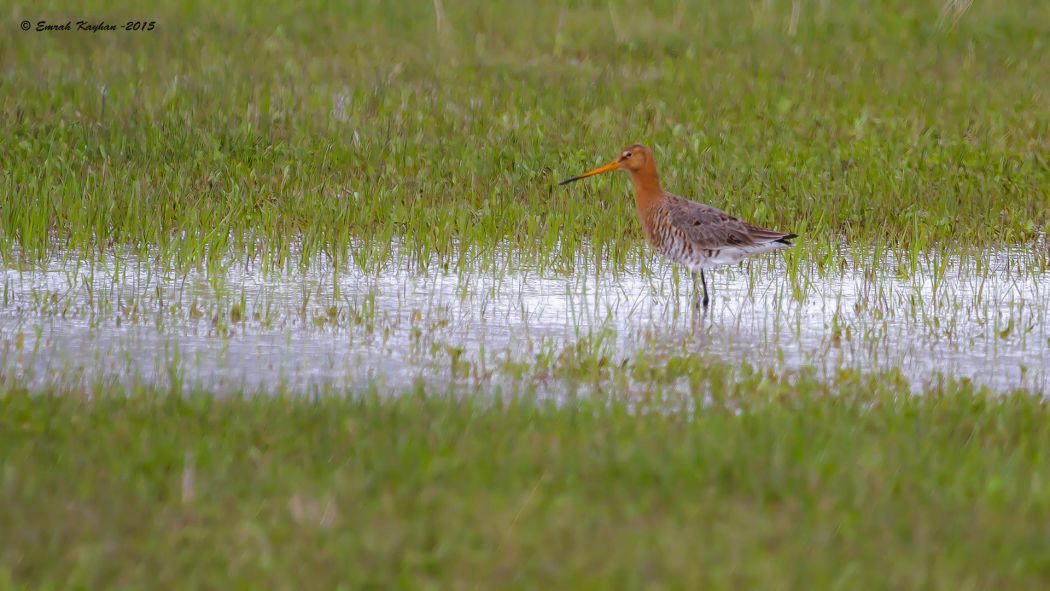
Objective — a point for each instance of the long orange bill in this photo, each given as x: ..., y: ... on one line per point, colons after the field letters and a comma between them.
x: 610, y: 166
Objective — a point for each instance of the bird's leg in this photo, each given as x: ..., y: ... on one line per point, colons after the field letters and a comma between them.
x: 703, y: 282
x: 696, y: 293
x: 700, y: 298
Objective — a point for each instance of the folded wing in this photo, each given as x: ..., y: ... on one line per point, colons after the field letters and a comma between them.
x: 711, y: 228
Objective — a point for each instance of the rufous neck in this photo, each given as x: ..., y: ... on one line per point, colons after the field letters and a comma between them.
x: 647, y: 189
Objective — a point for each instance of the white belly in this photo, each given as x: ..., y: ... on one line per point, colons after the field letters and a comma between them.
x: 705, y: 259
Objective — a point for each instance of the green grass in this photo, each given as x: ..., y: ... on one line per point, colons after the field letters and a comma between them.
x: 281, y: 134
x: 796, y: 485
x: 347, y: 127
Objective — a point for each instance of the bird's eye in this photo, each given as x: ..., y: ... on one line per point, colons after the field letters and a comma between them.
x: 626, y: 154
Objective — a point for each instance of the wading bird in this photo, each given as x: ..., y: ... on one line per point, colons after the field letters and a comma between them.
x: 688, y: 233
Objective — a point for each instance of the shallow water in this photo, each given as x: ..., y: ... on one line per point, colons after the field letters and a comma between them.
x: 984, y: 317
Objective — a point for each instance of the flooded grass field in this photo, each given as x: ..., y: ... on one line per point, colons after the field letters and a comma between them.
x: 984, y: 316
x: 290, y: 297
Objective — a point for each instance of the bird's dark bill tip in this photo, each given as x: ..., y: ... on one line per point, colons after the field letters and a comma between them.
x: 572, y: 180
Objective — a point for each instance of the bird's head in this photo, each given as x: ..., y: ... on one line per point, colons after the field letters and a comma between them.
x: 633, y: 158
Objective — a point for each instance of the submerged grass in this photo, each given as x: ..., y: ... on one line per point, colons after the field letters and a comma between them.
x: 982, y: 317
x: 292, y: 130
x: 795, y: 485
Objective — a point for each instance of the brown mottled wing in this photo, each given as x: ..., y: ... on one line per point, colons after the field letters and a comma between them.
x: 709, y: 227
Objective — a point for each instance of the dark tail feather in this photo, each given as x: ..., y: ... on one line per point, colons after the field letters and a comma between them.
x: 761, y: 235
